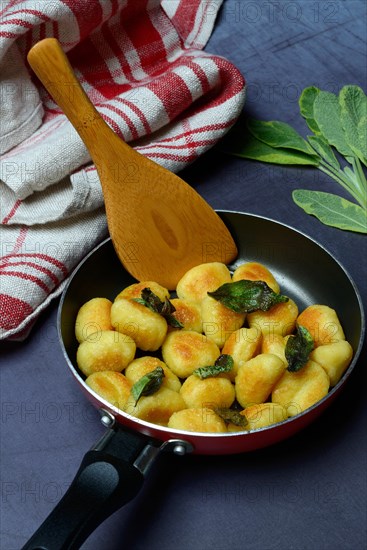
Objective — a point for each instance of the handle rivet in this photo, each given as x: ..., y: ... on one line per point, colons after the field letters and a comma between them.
x: 179, y: 450
x: 107, y: 419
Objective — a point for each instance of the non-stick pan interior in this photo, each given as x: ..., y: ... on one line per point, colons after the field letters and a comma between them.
x: 305, y: 271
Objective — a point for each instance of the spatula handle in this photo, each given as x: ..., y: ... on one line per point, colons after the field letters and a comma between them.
x: 51, y: 65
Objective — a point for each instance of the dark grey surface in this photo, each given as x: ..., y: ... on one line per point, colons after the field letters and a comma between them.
x: 306, y: 493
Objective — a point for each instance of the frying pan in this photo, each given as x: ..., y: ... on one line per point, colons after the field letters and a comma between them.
x: 113, y: 471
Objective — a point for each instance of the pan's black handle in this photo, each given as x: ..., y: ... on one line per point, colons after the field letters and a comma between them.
x: 110, y: 475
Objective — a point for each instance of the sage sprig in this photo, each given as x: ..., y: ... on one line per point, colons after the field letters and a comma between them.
x: 339, y: 126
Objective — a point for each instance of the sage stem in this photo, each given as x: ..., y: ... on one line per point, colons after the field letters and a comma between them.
x: 344, y: 182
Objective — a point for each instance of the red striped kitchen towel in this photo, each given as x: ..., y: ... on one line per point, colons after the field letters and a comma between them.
x: 143, y: 66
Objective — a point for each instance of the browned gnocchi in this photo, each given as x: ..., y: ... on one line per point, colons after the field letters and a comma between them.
x: 241, y: 345
x: 147, y: 328
x: 156, y: 408
x: 94, y: 316
x: 143, y: 365
x: 195, y: 284
x: 226, y: 353
x: 261, y: 415
x: 186, y: 350
x: 210, y: 393
x: 218, y: 321
x: 323, y: 324
x: 112, y: 386
x: 297, y: 391
x: 257, y: 377
x: 105, y: 350
x: 197, y: 420
x: 134, y: 290
x: 280, y: 319
x: 253, y: 271
x: 188, y: 314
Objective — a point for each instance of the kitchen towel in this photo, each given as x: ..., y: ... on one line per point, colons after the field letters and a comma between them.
x: 142, y: 64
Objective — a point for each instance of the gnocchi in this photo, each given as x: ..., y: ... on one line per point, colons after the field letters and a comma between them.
x: 220, y: 368
x: 157, y: 408
x: 253, y: 271
x: 134, y: 290
x: 241, y: 345
x: 196, y: 282
x: 280, y: 319
x: 297, y: 391
x: 147, y: 328
x: 94, y: 316
x: 197, y: 420
x: 105, y: 350
x: 323, y: 324
x: 260, y: 416
x: 257, y: 377
x: 188, y: 314
x: 112, y: 386
x: 274, y: 343
x: 184, y: 351
x: 142, y: 365
x: 334, y: 359
x: 218, y: 321
x: 209, y: 393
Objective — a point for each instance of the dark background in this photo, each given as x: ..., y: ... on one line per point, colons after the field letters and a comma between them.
x: 306, y: 493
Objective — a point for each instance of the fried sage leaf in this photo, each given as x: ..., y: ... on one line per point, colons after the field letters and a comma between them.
x: 298, y: 349
x: 247, y: 296
x: 154, y: 303
x: 230, y: 415
x: 224, y: 363
x: 148, y: 384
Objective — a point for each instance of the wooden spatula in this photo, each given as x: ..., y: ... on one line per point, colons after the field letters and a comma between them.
x: 160, y: 227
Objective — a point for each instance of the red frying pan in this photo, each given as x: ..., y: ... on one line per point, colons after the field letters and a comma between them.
x: 112, y: 473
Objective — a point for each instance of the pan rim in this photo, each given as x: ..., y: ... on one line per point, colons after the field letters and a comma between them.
x: 184, y: 434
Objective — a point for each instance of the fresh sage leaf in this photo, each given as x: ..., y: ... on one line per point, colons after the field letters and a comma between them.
x: 154, y: 303
x: 223, y: 364
x: 324, y: 150
x: 353, y: 104
x: 306, y: 103
x: 332, y: 210
x: 362, y: 130
x: 279, y: 135
x: 254, y: 149
x: 327, y: 114
x: 148, y: 384
x: 298, y: 349
x: 247, y: 296
x: 230, y: 415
